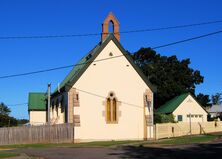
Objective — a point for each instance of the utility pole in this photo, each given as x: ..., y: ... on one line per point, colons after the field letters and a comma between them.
x: 49, y: 103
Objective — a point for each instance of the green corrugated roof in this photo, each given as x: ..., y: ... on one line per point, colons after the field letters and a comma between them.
x: 172, y: 104
x: 74, y: 72
x: 80, y: 67
x: 37, y: 101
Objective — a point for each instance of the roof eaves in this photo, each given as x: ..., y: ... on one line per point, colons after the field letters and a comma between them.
x: 138, y: 70
x: 95, y: 52
x: 94, y: 55
x: 171, y: 105
x: 75, y: 71
x: 198, y: 103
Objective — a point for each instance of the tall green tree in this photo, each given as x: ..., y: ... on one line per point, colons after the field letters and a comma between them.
x: 203, y: 99
x: 5, y: 119
x: 171, y: 76
x: 217, y: 99
x: 4, y: 110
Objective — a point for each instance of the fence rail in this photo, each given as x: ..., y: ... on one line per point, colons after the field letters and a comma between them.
x: 61, y: 133
x: 167, y: 130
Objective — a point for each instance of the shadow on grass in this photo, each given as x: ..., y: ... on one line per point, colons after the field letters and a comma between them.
x: 198, y: 151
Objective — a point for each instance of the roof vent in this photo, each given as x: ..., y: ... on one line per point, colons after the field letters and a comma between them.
x: 88, y: 57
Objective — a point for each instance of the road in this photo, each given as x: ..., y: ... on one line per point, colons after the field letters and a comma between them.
x: 194, y: 151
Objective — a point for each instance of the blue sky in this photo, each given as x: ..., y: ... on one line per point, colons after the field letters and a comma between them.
x: 57, y: 17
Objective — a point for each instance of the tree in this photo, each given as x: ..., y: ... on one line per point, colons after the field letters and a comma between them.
x: 4, y: 110
x: 5, y: 119
x: 22, y: 121
x: 216, y: 99
x: 204, y: 100
x: 171, y: 76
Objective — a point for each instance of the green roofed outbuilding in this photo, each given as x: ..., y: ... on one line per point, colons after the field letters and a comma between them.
x: 185, y: 108
x: 172, y: 104
x: 37, y: 101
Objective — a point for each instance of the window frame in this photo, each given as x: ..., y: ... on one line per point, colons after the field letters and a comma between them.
x: 179, y: 117
x: 111, y: 110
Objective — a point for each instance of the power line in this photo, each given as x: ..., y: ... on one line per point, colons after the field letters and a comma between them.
x: 98, y: 34
x: 56, y: 68
x: 68, y: 66
x: 96, y: 95
x: 87, y: 92
x: 17, y: 104
x: 189, y: 39
x: 174, y: 27
x: 36, y: 72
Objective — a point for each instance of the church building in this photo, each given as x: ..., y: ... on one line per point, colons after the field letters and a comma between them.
x: 106, y: 96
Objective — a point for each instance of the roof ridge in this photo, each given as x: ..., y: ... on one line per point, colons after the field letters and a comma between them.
x: 78, y: 70
x: 173, y: 103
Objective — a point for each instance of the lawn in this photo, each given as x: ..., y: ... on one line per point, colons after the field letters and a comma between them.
x: 172, y: 141
x: 187, y: 140
x: 87, y: 144
x: 4, y: 154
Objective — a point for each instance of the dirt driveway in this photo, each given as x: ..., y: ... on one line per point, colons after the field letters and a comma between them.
x: 194, y: 151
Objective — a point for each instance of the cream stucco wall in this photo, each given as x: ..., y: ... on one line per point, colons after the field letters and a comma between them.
x: 190, y: 106
x: 37, y: 117
x: 58, y: 118
x: 100, y: 78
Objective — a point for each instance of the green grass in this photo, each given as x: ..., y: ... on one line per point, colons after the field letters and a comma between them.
x: 172, y: 141
x: 187, y: 140
x: 4, y: 154
x: 87, y: 144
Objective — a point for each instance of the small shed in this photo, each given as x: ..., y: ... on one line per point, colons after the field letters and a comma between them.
x: 185, y: 108
x: 37, y: 108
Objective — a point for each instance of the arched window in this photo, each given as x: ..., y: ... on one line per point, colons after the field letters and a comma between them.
x: 111, y: 108
x: 114, y: 110
x: 111, y: 27
x: 108, y: 110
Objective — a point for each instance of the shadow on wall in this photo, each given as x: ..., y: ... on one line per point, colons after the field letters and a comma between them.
x: 197, y: 151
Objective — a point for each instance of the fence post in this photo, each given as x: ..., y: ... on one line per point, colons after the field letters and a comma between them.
x: 156, y: 131
x: 73, y: 133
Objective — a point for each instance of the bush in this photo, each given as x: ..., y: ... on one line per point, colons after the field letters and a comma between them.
x: 7, y: 121
x: 163, y: 118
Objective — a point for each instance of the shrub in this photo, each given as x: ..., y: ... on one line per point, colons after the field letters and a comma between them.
x: 6, y: 121
x: 163, y: 118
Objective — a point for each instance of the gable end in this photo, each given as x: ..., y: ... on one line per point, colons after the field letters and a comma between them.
x: 128, y: 57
